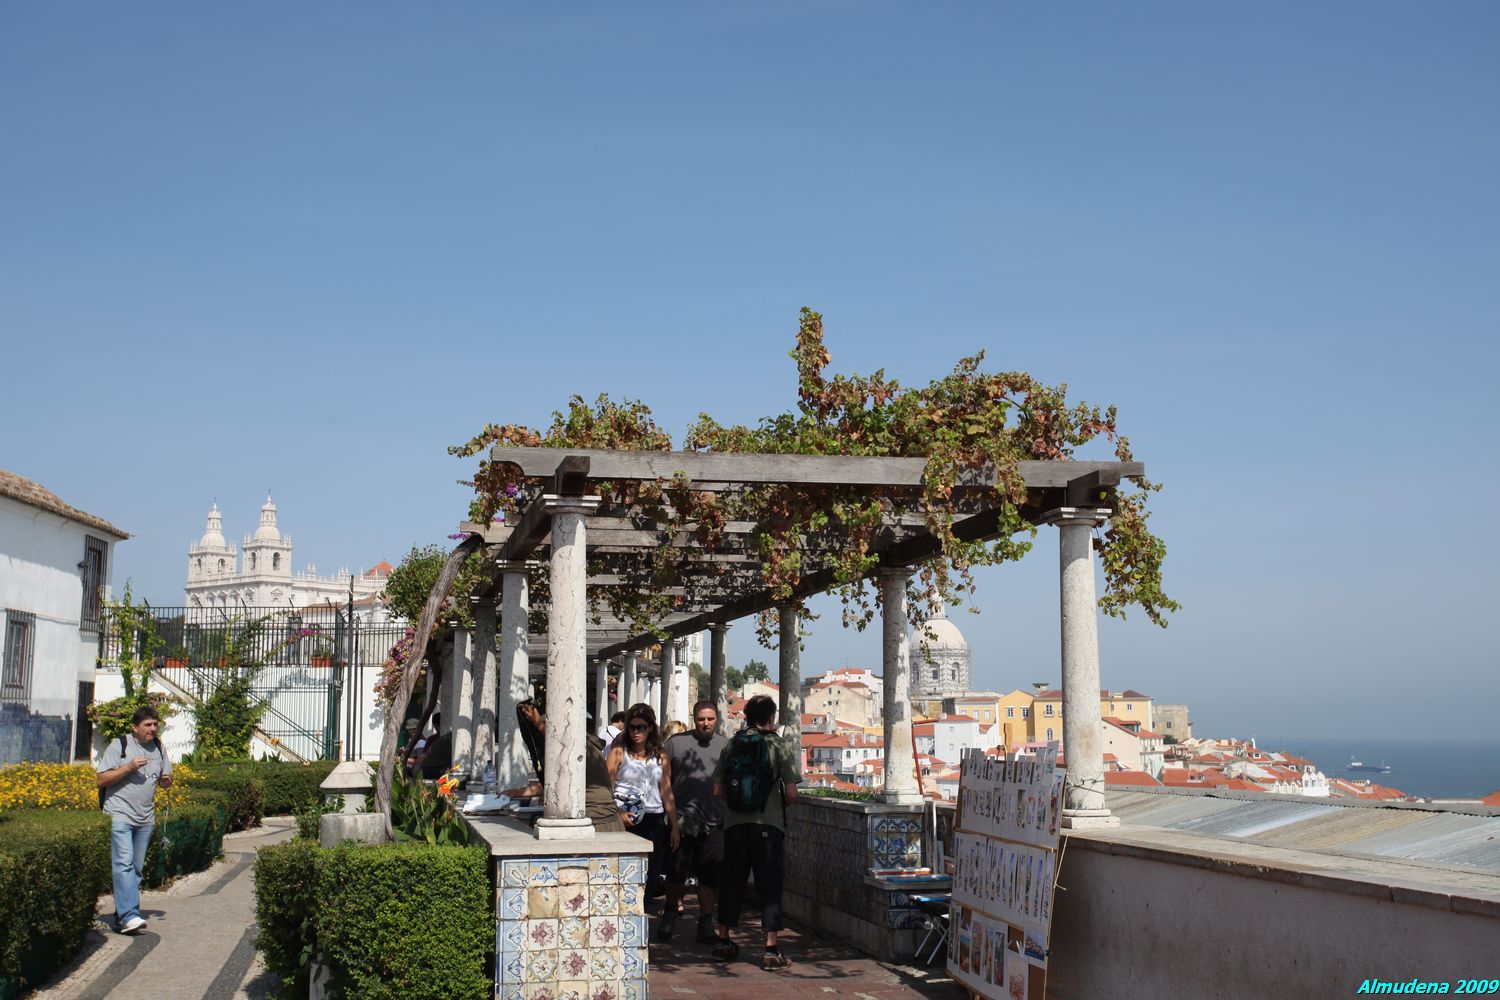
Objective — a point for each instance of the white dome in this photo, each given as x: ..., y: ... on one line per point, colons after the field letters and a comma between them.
x: 213, y: 535
x: 267, y: 531
x: 938, y: 633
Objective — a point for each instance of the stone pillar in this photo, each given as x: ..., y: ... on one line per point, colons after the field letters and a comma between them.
x: 1083, y: 736
x: 601, y: 694
x: 461, y: 722
x: 485, y: 689
x: 682, y: 683
x: 512, y: 762
x: 628, y: 694
x: 900, y: 762
x: 789, y: 677
x: 718, y: 682
x: 668, y: 676
x: 567, y: 673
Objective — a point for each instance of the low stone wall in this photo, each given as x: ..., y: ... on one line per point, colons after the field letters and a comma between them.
x: 831, y: 845
x: 1148, y: 913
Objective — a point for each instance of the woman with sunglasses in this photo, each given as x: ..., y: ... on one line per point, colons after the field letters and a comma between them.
x: 641, y: 774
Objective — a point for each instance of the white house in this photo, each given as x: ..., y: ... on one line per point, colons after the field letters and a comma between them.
x: 55, y: 563
x: 949, y: 736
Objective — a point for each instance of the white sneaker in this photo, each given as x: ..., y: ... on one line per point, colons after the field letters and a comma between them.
x: 132, y: 925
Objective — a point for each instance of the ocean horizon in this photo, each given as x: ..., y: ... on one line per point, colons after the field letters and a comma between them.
x: 1429, y: 769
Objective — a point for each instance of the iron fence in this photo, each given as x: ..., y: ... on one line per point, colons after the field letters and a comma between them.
x: 314, y: 669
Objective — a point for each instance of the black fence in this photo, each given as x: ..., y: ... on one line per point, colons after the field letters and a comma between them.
x: 313, y: 668
x: 30, y: 736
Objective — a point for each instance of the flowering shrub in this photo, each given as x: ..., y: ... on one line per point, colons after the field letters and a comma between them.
x: 390, y: 672
x: 74, y: 786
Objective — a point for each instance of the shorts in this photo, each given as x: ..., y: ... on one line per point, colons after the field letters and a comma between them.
x: 701, y: 856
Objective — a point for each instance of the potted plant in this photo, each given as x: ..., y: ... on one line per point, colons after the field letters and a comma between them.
x: 176, y: 657
x: 322, y: 654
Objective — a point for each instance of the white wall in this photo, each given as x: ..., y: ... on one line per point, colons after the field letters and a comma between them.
x: 39, y: 556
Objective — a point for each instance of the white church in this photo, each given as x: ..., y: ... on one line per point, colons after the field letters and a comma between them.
x: 218, y: 576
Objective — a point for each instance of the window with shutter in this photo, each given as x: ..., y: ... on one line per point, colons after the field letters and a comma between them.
x: 95, y: 552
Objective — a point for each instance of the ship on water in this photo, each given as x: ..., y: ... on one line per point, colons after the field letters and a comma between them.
x: 1359, y: 765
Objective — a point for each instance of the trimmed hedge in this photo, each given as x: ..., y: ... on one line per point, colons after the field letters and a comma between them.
x: 289, y: 788
x: 238, y: 793
x: 369, y: 912
x: 187, y: 839
x: 54, y: 864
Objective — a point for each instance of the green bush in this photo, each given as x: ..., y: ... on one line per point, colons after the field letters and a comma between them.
x: 289, y: 787
x: 53, y: 866
x: 187, y: 839
x: 286, y: 893
x: 239, y: 793
x: 369, y: 912
x: 376, y: 921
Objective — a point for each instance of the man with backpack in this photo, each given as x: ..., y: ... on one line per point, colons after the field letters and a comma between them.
x: 757, y: 777
x: 130, y: 771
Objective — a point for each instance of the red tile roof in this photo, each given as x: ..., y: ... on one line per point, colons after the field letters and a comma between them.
x: 36, y: 495
x: 1492, y: 799
x: 1118, y: 778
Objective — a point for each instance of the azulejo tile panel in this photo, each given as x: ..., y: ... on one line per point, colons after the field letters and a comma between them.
x: 570, y: 928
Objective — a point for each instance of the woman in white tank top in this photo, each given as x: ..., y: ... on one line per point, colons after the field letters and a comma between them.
x: 641, y: 775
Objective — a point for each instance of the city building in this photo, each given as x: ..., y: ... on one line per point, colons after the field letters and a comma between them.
x: 1173, y: 721
x: 1135, y: 747
x: 259, y: 574
x: 939, y: 658
x: 1047, y: 711
x: 55, y: 565
x: 854, y: 701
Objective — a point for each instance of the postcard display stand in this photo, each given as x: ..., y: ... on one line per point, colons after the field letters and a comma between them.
x: 1004, y: 872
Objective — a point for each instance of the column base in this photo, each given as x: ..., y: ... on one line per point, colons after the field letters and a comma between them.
x: 899, y: 798
x: 564, y: 829
x: 1089, y: 819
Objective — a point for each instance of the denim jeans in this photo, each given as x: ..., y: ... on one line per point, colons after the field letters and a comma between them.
x: 127, y: 855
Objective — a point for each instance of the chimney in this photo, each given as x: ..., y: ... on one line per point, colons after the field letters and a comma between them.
x: 1038, y: 687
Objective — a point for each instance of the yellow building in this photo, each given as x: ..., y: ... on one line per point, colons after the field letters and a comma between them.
x: 1014, y: 711
x: 1047, y: 711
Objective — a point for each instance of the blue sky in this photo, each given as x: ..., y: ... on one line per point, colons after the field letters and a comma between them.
x: 307, y: 248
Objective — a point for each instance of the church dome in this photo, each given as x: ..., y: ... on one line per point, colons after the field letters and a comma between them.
x: 937, y: 633
x: 267, y: 531
x: 213, y: 535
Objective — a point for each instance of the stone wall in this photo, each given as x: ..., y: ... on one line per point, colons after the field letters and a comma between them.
x: 831, y: 845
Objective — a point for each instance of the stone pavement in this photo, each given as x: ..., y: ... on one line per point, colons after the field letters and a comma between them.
x: 199, y: 941
x: 684, y: 970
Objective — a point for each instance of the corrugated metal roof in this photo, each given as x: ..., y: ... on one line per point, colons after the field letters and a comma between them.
x: 1432, y: 835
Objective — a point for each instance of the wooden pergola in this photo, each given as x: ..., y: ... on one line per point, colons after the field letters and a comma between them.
x: 588, y: 547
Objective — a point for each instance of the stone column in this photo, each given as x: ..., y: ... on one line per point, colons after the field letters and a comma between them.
x: 567, y: 673
x: 900, y: 763
x: 718, y: 683
x: 461, y: 722
x: 1083, y: 736
x: 485, y: 688
x: 601, y: 694
x: 512, y: 762
x: 681, y: 687
x: 628, y: 695
x: 668, y: 676
x: 789, y: 678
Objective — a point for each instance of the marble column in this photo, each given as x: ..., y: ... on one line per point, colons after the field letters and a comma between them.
x: 485, y: 688
x: 900, y: 763
x: 601, y: 695
x: 718, y: 683
x: 668, y: 677
x: 1083, y: 729
x: 682, y: 684
x: 512, y: 762
x: 628, y: 694
x: 461, y: 722
x: 563, y: 814
x: 789, y: 678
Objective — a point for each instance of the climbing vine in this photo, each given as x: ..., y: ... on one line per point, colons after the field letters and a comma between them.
x: 972, y: 426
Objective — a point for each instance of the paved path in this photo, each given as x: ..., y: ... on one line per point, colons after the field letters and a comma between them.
x: 683, y: 969
x: 199, y: 941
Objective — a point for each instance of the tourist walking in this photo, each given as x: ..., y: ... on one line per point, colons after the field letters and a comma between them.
x: 757, y: 777
x: 694, y: 757
x: 129, y: 773
x: 642, y: 778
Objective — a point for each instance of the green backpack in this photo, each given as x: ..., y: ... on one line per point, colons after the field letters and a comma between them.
x: 748, y: 774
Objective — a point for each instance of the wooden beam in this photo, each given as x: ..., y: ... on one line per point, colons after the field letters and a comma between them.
x: 744, y: 467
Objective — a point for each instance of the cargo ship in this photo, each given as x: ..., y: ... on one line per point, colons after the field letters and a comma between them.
x: 1359, y: 765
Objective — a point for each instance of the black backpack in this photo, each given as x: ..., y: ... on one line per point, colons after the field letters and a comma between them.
x: 748, y: 774
x: 122, y: 760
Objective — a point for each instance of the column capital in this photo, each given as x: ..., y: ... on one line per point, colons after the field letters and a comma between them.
x: 721, y: 627
x: 513, y: 565
x: 1092, y: 517
x: 896, y: 572
x: 553, y: 504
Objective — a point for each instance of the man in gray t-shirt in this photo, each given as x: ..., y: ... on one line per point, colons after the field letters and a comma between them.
x: 129, y: 777
x: 700, y: 813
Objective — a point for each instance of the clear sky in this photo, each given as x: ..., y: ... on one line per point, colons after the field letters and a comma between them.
x: 307, y: 247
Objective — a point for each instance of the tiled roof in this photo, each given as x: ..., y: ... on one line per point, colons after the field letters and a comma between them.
x: 1116, y: 778
x: 1132, y: 693
x: 381, y: 568
x: 1492, y: 799
x: 36, y: 495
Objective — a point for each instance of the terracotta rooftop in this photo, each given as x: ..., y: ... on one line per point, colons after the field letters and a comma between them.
x: 36, y: 495
x: 1115, y: 778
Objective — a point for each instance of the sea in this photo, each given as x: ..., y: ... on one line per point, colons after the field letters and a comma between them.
x: 1429, y: 769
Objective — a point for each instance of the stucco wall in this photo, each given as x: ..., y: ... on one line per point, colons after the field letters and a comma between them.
x: 1140, y: 917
